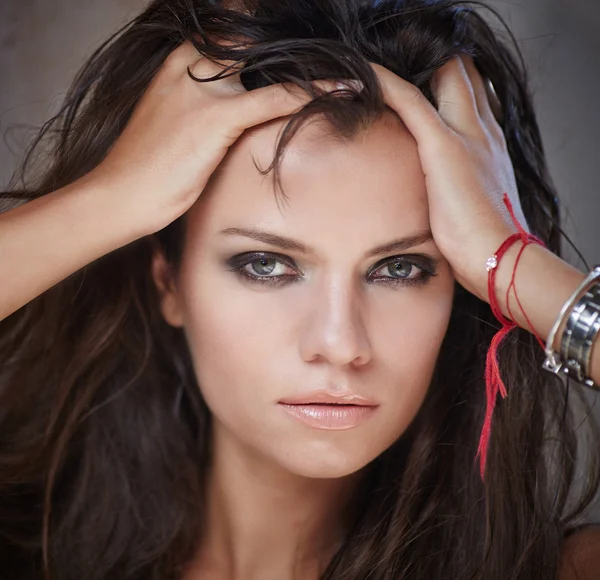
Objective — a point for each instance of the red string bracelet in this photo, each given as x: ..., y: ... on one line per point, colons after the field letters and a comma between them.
x: 493, y: 380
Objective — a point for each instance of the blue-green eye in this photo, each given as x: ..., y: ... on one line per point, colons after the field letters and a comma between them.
x: 264, y: 268
x: 276, y: 269
x: 403, y: 270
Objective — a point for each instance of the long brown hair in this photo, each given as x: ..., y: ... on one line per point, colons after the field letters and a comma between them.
x: 104, y: 435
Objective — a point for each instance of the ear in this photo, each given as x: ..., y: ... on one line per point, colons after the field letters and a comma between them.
x: 164, y: 279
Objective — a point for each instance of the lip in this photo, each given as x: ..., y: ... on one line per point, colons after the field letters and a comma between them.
x: 336, y: 416
x: 328, y: 398
x: 326, y: 410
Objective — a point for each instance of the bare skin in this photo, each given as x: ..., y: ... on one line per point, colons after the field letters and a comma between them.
x: 266, y: 524
x: 467, y: 167
x: 278, y: 488
x: 465, y: 171
x: 153, y: 174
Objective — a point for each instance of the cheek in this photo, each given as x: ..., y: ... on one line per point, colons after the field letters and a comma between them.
x: 409, y: 328
x: 233, y: 343
x: 407, y: 334
x: 245, y: 352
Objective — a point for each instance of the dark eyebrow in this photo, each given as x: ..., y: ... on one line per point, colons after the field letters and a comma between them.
x: 269, y: 238
x: 398, y: 245
x: 402, y: 244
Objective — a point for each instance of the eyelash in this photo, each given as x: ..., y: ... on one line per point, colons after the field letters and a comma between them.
x: 239, y: 262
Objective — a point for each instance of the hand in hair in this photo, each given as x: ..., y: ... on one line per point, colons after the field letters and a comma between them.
x: 180, y: 131
x: 467, y: 167
x: 177, y: 135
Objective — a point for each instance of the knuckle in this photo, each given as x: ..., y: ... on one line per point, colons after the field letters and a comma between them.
x: 182, y: 58
x: 175, y: 56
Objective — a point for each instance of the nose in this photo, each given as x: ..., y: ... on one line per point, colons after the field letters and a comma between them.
x: 335, y: 329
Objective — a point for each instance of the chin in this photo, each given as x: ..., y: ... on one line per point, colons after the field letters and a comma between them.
x: 326, y: 462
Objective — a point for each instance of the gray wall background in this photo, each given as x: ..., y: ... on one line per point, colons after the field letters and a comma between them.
x: 44, y: 42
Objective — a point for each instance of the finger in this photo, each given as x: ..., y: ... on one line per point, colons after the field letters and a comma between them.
x: 481, y: 94
x: 494, y: 100
x: 227, y: 86
x: 264, y: 104
x: 186, y: 60
x: 174, y: 68
x: 417, y: 113
x: 455, y: 97
x: 184, y: 56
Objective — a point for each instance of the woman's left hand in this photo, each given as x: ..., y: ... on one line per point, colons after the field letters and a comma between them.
x: 467, y: 170
x: 466, y: 165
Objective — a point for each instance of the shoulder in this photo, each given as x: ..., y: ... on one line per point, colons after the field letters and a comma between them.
x: 580, y: 559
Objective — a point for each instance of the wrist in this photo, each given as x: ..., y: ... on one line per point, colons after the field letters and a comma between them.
x: 103, y: 215
x: 543, y: 281
x: 126, y: 215
x: 472, y: 272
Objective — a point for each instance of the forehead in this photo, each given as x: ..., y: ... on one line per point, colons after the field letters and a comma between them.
x: 372, y: 183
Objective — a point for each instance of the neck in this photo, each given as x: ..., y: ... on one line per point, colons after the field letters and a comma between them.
x: 265, y: 522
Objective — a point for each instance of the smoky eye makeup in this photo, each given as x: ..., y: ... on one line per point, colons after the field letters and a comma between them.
x: 264, y: 268
x: 273, y: 269
x: 406, y: 270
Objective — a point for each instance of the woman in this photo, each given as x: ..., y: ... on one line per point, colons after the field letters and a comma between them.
x: 209, y: 374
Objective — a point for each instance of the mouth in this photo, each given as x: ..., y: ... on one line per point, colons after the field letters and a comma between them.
x: 329, y: 398
x: 330, y: 415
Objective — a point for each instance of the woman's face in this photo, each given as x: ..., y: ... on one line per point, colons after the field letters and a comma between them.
x: 341, y: 290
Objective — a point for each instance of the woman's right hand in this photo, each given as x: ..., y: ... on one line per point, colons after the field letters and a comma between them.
x: 178, y: 134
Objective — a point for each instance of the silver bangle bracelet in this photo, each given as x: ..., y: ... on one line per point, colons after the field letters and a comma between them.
x: 572, y: 320
x: 582, y: 327
x: 582, y: 315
